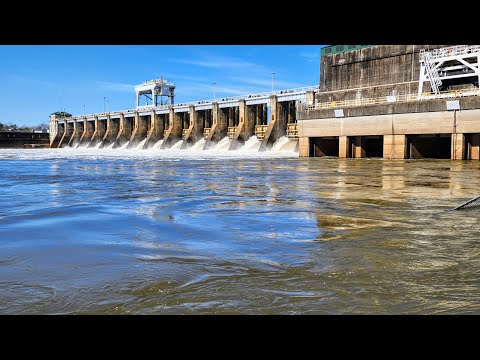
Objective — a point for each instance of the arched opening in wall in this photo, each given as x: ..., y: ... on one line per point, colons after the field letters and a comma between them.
x: 429, y: 146
x: 324, y: 146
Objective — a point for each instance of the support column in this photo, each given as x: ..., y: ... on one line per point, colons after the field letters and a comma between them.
x: 76, y: 133
x: 174, y: 130
x: 458, y: 146
x: 53, y: 130
x: 88, y: 131
x: 215, y: 132
x: 304, y: 147
x: 99, y: 130
x: 156, y: 130
x: 359, y: 151
x: 475, y: 147
x: 240, y: 132
x: 248, y: 120
x: 343, y: 147
x: 310, y: 94
x: 139, y: 132
x: 112, y: 131
x: 273, y: 125
x: 65, y: 135
x: 394, y: 146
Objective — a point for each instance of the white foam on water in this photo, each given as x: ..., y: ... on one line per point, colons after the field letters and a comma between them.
x: 282, y: 148
x: 157, y: 145
x: 198, y: 145
x: 252, y: 144
x: 99, y: 145
x: 177, y: 145
x: 284, y: 144
x: 140, y: 145
x: 222, y: 145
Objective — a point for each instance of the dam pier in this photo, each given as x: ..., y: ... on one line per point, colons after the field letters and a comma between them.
x: 384, y: 101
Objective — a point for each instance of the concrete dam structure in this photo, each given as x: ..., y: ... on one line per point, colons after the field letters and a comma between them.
x: 395, y: 102
x: 266, y: 116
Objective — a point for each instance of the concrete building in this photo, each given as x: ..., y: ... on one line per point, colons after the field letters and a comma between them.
x: 395, y: 102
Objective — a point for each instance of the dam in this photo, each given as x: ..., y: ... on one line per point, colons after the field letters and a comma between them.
x: 233, y: 120
x: 383, y: 101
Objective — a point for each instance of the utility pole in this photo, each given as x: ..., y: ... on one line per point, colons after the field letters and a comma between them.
x: 273, y: 79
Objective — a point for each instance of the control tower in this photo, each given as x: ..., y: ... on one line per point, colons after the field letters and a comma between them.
x: 152, y: 93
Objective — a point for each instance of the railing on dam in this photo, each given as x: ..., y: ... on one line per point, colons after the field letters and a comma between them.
x: 393, y: 99
x: 450, y: 51
x: 185, y: 105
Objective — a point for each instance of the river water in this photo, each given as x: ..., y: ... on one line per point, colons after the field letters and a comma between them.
x: 101, y: 231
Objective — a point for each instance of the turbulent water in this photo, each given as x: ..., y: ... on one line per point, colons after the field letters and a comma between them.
x: 169, y: 232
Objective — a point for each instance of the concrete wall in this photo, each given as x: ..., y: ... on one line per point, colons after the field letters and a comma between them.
x: 441, y: 122
x: 371, y: 72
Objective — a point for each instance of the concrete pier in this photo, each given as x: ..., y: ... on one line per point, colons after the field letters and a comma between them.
x: 156, y: 130
x: 174, y: 131
x: 111, y: 133
x: 139, y: 132
x: 76, y: 134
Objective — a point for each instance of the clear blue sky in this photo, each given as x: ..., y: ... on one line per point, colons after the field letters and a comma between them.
x: 38, y: 80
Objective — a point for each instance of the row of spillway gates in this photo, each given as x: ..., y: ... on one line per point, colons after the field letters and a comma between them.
x: 268, y: 116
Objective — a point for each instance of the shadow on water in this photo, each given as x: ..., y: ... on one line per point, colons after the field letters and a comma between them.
x: 270, y: 235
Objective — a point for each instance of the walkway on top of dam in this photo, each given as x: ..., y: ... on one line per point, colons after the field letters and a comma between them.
x: 224, y: 102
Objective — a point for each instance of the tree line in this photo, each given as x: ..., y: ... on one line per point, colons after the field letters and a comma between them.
x: 11, y: 127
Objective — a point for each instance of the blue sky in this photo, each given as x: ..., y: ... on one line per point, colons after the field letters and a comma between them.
x: 38, y: 80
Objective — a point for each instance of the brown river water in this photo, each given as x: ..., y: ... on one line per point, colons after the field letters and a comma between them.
x: 97, y: 232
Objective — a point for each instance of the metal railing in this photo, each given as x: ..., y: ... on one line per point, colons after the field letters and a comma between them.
x: 292, y: 130
x: 362, y: 102
x: 450, y: 51
x: 393, y: 99
x: 206, y: 132
x: 231, y: 131
x: 260, y: 131
x: 204, y: 102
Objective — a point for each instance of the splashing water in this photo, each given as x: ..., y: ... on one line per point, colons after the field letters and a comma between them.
x: 223, y: 144
x: 252, y: 144
x: 177, y: 145
x: 157, y: 145
x: 284, y: 144
x: 198, y: 145
x: 140, y: 145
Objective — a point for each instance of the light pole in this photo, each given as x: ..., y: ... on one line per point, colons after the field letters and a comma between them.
x: 104, y: 104
x: 273, y: 79
x: 214, y: 98
x: 107, y: 105
x: 83, y: 109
